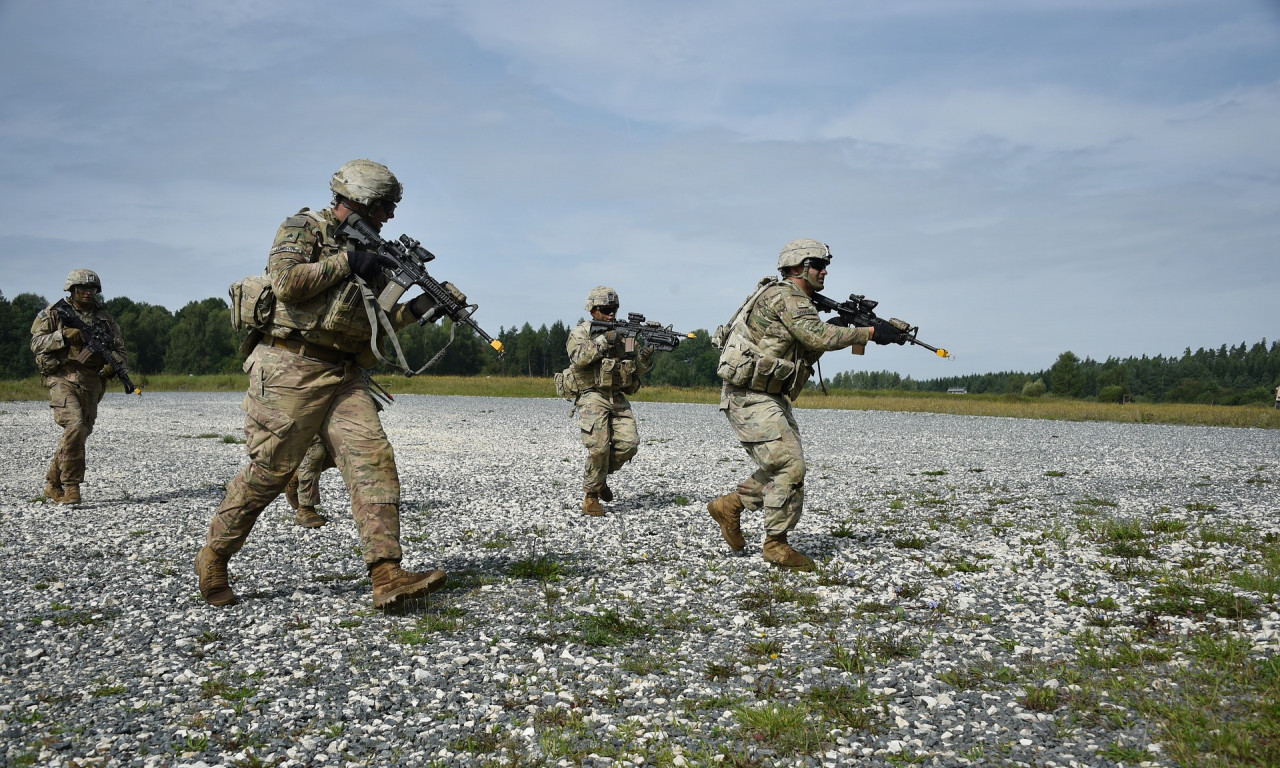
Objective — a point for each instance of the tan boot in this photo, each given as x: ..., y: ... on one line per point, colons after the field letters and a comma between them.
x: 778, y: 552
x: 53, y: 482
x: 392, y: 585
x: 307, y: 517
x: 727, y: 511
x: 605, y: 493
x: 70, y: 494
x: 211, y: 568
x: 591, y: 505
x: 291, y: 492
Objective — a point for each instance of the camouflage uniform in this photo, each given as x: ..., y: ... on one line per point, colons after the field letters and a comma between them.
x: 304, y: 382
x: 313, y: 465
x: 604, y: 374
x: 72, y: 374
x: 784, y: 325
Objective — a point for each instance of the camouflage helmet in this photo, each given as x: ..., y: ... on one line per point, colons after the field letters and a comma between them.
x: 366, y: 182
x: 83, y: 277
x: 795, y: 252
x: 602, y: 296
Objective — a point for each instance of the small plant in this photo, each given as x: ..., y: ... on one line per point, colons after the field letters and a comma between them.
x: 1055, y: 473
x: 682, y: 501
x: 542, y: 568
x: 1040, y: 699
x: 609, y: 628
x: 789, y: 728
x: 914, y: 541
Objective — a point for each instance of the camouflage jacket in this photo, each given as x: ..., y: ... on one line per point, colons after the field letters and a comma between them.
x: 784, y: 337
x: 597, y: 364
x: 315, y: 295
x: 55, y: 356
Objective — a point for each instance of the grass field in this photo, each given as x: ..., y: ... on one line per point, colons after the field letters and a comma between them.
x: 1013, y: 406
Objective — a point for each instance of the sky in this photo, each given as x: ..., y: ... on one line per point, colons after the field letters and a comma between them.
x: 1018, y: 178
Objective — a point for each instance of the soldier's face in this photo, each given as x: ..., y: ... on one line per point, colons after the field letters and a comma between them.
x: 606, y: 314
x: 83, y: 296
x: 815, y: 273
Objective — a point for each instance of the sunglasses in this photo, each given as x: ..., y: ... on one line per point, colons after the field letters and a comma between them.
x: 609, y: 310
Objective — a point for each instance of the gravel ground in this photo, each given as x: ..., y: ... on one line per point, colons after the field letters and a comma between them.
x: 948, y: 545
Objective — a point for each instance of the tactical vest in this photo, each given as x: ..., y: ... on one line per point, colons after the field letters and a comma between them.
x: 606, y: 375
x: 744, y: 364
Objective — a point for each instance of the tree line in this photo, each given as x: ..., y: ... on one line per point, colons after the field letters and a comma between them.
x: 1224, y: 376
x: 198, y: 339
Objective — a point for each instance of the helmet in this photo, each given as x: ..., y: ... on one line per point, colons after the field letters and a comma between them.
x: 602, y: 296
x: 83, y: 277
x: 366, y: 182
x: 795, y: 252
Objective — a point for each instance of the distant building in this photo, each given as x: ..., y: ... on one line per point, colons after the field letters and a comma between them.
x: 957, y: 391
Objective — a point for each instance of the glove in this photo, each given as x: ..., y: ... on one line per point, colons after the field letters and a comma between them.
x: 423, y: 305
x: 611, y: 336
x: 838, y: 321
x: 366, y: 264
x: 107, y: 371
x: 73, y: 336
x: 887, y: 333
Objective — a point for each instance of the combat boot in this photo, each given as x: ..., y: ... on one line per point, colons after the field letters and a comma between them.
x: 291, y: 493
x: 727, y: 511
x: 70, y: 494
x: 605, y: 493
x: 591, y: 505
x: 393, y: 585
x: 307, y: 517
x: 53, y: 482
x: 211, y: 568
x: 778, y: 553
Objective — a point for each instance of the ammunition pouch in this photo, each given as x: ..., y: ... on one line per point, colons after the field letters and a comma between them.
x: 743, y: 364
x: 253, y: 303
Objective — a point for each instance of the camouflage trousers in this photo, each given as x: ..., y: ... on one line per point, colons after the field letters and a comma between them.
x: 74, y: 399
x: 609, y: 435
x: 769, y: 434
x: 292, y: 400
x: 313, y: 465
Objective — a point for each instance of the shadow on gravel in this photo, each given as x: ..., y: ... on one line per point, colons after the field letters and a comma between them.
x: 212, y: 493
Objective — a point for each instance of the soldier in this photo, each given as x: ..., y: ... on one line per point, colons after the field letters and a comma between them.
x: 76, y: 377
x: 303, y: 490
x: 769, y: 349
x: 603, y: 370
x: 306, y: 379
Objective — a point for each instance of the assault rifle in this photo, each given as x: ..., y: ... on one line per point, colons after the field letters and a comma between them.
x: 650, y: 332
x: 859, y: 312
x: 97, y: 340
x: 404, y: 261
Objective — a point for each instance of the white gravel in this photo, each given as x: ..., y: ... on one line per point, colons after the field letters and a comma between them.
x: 109, y: 657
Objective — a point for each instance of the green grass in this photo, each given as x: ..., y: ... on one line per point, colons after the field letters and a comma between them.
x: 1058, y: 409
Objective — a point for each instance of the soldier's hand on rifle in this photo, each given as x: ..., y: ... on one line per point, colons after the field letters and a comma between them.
x: 839, y: 321
x: 887, y: 333
x: 73, y: 336
x: 107, y: 371
x: 611, y: 335
x: 425, y: 305
x: 363, y: 263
